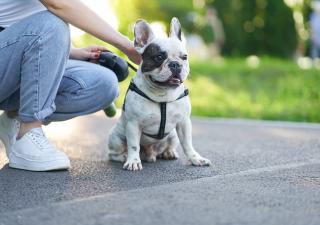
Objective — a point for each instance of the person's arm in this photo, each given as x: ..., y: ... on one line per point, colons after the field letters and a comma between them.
x: 79, y: 15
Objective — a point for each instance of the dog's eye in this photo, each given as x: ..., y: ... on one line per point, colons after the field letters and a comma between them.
x: 184, y: 57
x: 159, y: 58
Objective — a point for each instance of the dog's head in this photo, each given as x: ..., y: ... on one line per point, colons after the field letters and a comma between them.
x: 164, y: 60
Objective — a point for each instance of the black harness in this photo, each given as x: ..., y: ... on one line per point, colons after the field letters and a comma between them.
x: 1, y: 29
x: 163, y: 109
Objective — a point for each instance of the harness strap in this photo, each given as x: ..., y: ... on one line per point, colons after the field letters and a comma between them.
x: 161, y: 133
x: 163, y: 110
x: 133, y: 87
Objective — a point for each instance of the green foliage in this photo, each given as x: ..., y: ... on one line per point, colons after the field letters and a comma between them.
x: 277, y: 90
x: 263, y: 27
x: 128, y: 11
x: 257, y: 27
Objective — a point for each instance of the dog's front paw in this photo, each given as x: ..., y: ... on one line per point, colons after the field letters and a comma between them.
x: 198, y: 160
x: 133, y: 164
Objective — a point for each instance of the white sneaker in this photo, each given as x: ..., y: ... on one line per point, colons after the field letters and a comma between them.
x: 9, y: 129
x: 34, y: 152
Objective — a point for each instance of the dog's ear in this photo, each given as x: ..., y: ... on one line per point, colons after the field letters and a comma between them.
x: 175, y: 28
x: 143, y: 35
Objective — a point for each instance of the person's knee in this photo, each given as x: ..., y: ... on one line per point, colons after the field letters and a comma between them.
x: 90, y: 87
x: 112, y: 93
x: 108, y: 88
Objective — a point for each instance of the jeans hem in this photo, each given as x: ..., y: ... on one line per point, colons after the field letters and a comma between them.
x: 38, y: 116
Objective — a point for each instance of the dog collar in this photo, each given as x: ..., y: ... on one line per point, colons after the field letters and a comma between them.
x: 163, y: 109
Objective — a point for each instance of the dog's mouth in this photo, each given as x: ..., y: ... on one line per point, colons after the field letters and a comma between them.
x: 173, y: 80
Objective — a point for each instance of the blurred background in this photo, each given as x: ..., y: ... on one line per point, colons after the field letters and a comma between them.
x: 249, y: 59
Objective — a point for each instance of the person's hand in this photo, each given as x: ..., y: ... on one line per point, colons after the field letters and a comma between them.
x: 90, y: 53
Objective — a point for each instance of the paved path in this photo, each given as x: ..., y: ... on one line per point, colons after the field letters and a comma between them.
x: 262, y: 173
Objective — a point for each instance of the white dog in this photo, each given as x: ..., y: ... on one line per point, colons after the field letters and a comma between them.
x: 156, y: 112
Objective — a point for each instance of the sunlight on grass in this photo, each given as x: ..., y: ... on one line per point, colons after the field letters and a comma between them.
x: 209, y: 98
x: 277, y: 89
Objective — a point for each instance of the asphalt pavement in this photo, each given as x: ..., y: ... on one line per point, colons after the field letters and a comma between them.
x: 262, y: 173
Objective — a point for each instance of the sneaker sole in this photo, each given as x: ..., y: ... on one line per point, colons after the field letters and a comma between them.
x: 19, y: 163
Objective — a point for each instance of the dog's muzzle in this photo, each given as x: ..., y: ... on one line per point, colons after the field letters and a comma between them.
x: 175, y: 78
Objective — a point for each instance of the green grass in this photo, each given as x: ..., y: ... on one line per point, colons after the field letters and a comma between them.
x: 276, y: 90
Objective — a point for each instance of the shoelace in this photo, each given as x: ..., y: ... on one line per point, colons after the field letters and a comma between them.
x: 40, y: 139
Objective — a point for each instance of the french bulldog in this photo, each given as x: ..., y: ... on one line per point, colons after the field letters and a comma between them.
x: 156, y: 113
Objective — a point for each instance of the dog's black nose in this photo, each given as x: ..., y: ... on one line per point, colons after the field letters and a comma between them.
x: 175, y: 67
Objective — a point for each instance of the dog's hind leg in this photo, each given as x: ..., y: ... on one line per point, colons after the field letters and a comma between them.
x: 148, y: 154
x: 169, y: 151
x: 117, y: 147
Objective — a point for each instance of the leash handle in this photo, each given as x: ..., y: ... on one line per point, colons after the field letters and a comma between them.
x: 111, y: 111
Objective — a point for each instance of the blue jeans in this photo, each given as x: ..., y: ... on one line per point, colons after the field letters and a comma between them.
x: 38, y: 78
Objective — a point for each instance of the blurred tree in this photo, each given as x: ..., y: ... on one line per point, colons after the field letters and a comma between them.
x: 257, y: 27
x: 263, y: 27
x: 300, y: 11
x: 129, y: 11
